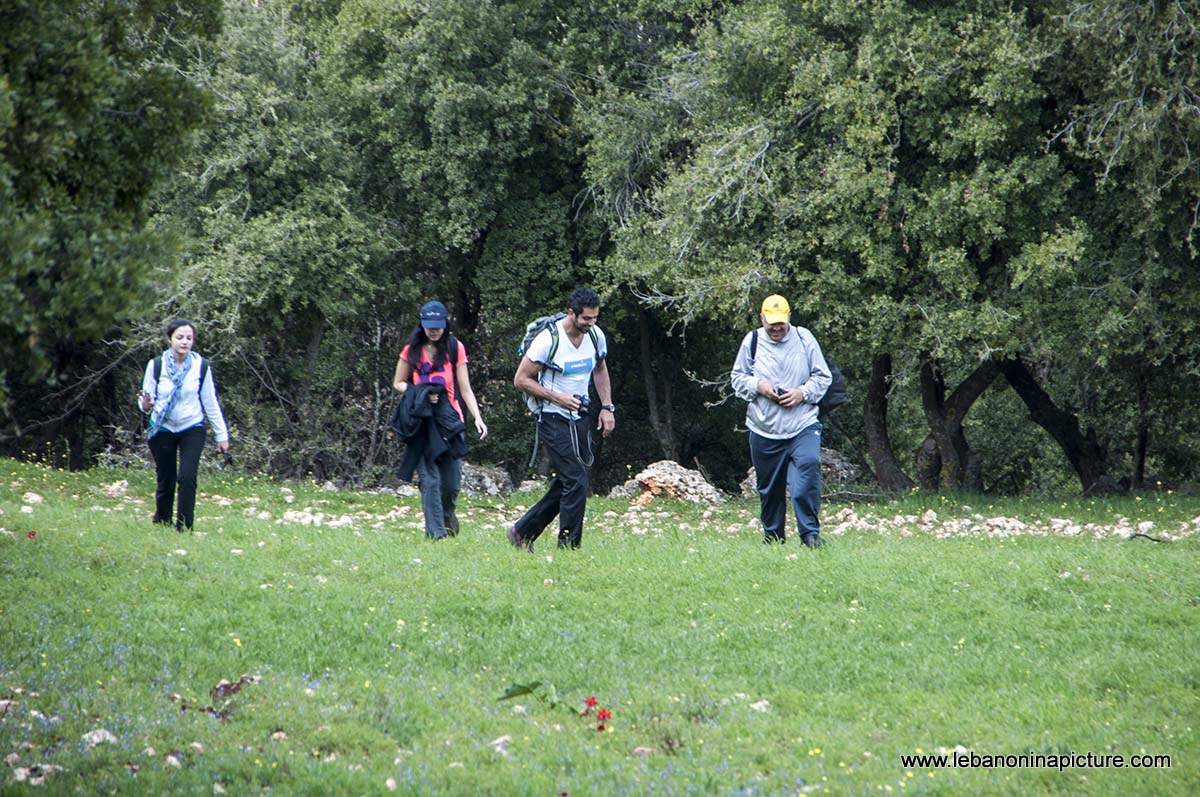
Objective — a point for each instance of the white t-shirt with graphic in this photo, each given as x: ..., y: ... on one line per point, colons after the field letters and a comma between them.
x: 573, y: 365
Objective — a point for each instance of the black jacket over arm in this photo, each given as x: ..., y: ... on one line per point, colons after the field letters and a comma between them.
x: 430, y: 430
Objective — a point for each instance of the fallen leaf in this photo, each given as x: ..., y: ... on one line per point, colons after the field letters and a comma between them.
x: 225, y: 688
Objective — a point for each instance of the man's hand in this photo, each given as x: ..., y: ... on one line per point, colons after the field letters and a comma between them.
x: 791, y: 398
x: 567, y: 401
x: 606, y: 422
x: 767, y: 390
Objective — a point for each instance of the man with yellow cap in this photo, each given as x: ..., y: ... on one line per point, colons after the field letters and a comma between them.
x: 782, y: 373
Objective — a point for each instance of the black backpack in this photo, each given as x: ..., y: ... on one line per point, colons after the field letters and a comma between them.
x: 837, y: 393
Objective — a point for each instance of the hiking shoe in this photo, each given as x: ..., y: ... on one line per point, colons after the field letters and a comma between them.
x: 813, y: 541
x: 514, y: 539
x: 452, y: 524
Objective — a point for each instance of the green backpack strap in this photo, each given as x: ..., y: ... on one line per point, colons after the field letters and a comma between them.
x: 553, y: 346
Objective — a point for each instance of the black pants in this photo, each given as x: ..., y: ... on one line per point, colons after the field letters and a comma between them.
x: 168, y: 447
x: 567, y: 496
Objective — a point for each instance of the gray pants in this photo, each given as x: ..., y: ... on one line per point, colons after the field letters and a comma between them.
x: 440, y: 483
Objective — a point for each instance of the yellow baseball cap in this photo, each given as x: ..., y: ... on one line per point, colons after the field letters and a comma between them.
x: 775, y: 309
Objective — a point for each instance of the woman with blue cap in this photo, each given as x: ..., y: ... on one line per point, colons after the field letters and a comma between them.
x: 433, y: 356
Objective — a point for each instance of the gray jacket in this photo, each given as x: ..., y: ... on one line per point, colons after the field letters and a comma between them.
x: 795, y: 361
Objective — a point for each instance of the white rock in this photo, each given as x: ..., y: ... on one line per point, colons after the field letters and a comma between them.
x: 98, y: 736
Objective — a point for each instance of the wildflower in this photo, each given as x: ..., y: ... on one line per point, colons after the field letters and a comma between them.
x: 603, y: 714
x: 590, y: 702
x: 31, y: 534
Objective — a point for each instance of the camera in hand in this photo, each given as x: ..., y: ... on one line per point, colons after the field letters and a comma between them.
x: 779, y: 391
x: 584, y: 401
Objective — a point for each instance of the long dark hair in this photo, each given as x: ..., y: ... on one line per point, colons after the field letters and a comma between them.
x: 419, y: 339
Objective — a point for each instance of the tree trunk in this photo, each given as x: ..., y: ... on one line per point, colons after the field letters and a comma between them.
x: 1083, y: 451
x: 888, y: 472
x: 928, y: 464
x: 660, y: 416
x: 1143, y: 431
x: 951, y: 457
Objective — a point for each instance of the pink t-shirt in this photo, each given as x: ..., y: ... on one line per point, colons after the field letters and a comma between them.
x: 423, y: 373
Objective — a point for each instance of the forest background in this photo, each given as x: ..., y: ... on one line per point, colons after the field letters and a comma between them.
x: 987, y: 213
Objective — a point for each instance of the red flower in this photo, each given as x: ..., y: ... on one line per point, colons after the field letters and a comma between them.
x: 600, y: 727
x: 603, y: 714
x: 590, y: 702
x: 31, y: 534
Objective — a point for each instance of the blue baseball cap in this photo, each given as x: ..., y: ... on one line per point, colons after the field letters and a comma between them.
x: 433, y: 315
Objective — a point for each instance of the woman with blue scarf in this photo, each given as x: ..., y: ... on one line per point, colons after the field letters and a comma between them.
x: 179, y: 391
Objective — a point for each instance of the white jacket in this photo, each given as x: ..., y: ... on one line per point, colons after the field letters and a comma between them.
x: 195, y: 403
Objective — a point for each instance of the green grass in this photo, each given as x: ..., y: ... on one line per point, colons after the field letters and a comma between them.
x: 729, y: 667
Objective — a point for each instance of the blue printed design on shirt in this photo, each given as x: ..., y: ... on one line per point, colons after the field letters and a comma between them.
x: 577, y: 366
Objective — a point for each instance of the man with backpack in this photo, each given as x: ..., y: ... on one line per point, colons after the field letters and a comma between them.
x: 782, y: 373
x: 556, y: 370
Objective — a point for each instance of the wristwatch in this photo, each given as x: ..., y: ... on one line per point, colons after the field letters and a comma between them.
x: 610, y: 407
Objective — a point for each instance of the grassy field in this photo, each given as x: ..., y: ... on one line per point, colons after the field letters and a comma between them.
x: 363, y: 659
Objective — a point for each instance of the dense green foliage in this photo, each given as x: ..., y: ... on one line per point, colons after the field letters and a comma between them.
x: 376, y: 660
x: 986, y: 211
x: 95, y: 108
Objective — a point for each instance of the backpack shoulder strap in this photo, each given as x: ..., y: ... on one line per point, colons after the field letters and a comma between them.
x: 553, y: 344
x: 157, y: 375
x: 753, y: 347
x: 452, y: 353
x: 200, y: 388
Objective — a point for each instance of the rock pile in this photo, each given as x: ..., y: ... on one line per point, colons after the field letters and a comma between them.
x: 484, y: 480
x: 671, y: 480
